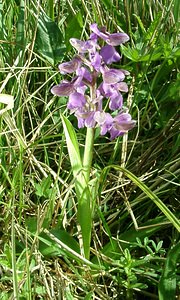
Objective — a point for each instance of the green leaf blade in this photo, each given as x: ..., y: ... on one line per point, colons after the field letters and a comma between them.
x: 49, y: 40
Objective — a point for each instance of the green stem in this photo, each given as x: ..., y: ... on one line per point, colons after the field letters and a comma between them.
x: 88, y: 153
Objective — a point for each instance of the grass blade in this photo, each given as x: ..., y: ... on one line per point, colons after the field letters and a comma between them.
x: 170, y: 216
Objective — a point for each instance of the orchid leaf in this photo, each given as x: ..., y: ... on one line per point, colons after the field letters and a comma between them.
x: 73, y: 146
x: 81, y: 185
x: 167, y: 284
x: 49, y: 39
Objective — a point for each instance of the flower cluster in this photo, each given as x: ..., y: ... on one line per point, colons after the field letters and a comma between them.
x: 95, y: 85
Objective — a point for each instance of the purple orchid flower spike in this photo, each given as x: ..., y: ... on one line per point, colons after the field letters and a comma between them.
x: 95, y: 84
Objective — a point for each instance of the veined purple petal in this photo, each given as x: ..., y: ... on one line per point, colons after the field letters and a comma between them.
x: 113, y: 76
x: 96, y: 61
x: 116, y: 101
x: 81, y: 89
x: 83, y: 46
x: 123, y: 122
x: 114, y: 133
x: 89, y: 121
x: 104, y: 120
x: 78, y: 45
x: 122, y: 86
x: 109, y: 54
x: 113, y: 39
x: 76, y: 100
x: 84, y: 73
x: 106, y: 90
x: 99, y: 33
x: 100, y: 117
x: 70, y: 66
x: 116, y: 39
x: 63, y: 89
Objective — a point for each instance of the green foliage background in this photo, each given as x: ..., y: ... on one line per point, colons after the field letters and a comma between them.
x: 135, y: 242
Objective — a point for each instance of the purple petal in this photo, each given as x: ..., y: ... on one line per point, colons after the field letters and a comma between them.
x: 63, y: 89
x: 70, y: 66
x: 76, y: 100
x: 100, y: 117
x: 99, y: 33
x: 116, y: 39
x: 83, y: 46
x: 109, y: 54
x: 114, y: 133
x: 93, y: 37
x: 122, y: 86
x: 81, y: 89
x: 113, y: 39
x: 113, y: 76
x: 104, y: 120
x: 84, y: 73
x: 96, y: 61
x: 106, y: 90
x: 89, y: 121
x: 87, y: 116
x: 124, y: 71
x: 116, y: 101
x: 81, y: 122
x: 123, y: 122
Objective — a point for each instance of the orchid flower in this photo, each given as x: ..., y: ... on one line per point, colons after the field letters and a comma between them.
x: 92, y: 73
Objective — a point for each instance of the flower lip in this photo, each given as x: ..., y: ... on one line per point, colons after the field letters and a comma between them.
x: 63, y: 89
x: 76, y: 100
x: 70, y: 66
x: 116, y: 101
x: 98, y: 32
x: 125, y: 126
x: 123, y: 122
x: 116, y: 39
x: 122, y: 86
x: 100, y: 117
x: 113, y: 76
x: 109, y: 54
x: 113, y: 39
x: 82, y: 46
x: 104, y: 120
